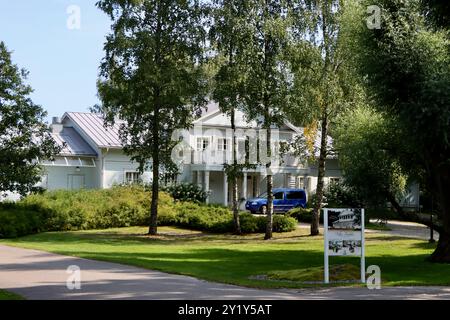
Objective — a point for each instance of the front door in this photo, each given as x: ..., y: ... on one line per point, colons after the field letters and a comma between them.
x: 75, y: 181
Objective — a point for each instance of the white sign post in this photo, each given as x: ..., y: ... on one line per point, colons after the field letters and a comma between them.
x: 343, y: 236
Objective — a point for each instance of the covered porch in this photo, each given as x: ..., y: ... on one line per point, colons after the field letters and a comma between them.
x: 250, y: 185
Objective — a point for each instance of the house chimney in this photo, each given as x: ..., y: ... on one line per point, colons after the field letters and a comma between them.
x: 56, y: 120
x: 56, y: 125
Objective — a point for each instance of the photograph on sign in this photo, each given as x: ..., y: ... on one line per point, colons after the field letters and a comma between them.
x: 347, y: 219
x: 344, y: 247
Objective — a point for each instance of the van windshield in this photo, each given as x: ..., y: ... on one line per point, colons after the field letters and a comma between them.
x: 263, y: 195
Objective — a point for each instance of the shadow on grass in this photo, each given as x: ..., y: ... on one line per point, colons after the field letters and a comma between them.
x: 217, y: 258
x: 236, y: 266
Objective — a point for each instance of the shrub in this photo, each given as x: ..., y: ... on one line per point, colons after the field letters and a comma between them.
x: 186, y: 192
x: 120, y: 206
x: 251, y: 223
x: 301, y: 214
x: 338, y: 195
x: 283, y: 223
x: 16, y: 221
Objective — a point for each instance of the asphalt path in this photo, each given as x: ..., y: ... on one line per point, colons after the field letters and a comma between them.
x: 43, y: 276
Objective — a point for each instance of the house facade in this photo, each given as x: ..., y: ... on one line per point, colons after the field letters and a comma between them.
x: 92, y: 156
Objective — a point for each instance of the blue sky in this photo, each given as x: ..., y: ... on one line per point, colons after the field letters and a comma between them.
x: 63, y: 63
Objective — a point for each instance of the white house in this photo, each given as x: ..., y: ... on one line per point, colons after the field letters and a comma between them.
x: 92, y: 157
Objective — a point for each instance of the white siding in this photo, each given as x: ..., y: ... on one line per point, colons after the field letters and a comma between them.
x: 59, y: 177
x: 116, y: 163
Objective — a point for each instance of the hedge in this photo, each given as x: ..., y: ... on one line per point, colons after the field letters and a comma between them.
x: 120, y: 206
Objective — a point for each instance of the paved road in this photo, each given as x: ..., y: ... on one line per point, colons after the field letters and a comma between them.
x: 410, y: 230
x: 398, y: 229
x: 42, y: 275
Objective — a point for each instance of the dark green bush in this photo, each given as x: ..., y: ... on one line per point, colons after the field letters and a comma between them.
x: 301, y: 214
x: 338, y: 195
x: 16, y: 221
x: 251, y: 223
x: 283, y: 224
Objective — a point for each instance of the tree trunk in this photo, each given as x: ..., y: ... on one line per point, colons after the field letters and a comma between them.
x: 442, y: 180
x: 412, y: 216
x: 153, y: 229
x: 268, y: 55
x: 320, y: 175
x: 269, y: 225
x: 237, y: 224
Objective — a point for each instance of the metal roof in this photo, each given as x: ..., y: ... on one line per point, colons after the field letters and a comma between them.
x: 72, y: 143
x: 92, y: 125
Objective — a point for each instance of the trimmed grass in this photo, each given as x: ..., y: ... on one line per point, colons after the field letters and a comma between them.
x: 338, y: 272
x: 6, y: 295
x: 239, y: 259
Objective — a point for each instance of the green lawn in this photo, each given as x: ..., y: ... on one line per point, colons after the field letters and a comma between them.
x: 239, y: 259
x: 6, y: 295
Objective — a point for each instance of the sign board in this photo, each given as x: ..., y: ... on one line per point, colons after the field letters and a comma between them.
x: 343, y: 236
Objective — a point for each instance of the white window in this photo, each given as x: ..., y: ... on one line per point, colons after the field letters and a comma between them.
x: 132, y: 177
x: 222, y: 144
x: 202, y: 143
x: 300, y: 182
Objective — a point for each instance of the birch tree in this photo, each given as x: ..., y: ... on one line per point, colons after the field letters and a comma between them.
x: 151, y: 77
x: 229, y: 34
x: 266, y: 83
x: 323, y: 84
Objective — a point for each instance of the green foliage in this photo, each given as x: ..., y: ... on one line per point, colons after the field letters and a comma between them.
x: 282, y: 223
x: 251, y: 223
x: 186, y: 192
x: 152, y: 78
x: 120, y: 206
x: 204, y: 218
x: 339, y: 195
x: 149, y: 76
x: 24, y: 137
x: 367, y: 141
x: 16, y: 221
x: 301, y: 214
x: 381, y: 213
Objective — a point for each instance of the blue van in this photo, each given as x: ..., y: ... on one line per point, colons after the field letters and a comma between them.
x: 284, y: 199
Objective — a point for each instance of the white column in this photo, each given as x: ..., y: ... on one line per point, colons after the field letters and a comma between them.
x: 199, y: 179
x: 225, y: 190
x: 206, y: 173
x: 258, y: 184
x: 244, y: 186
